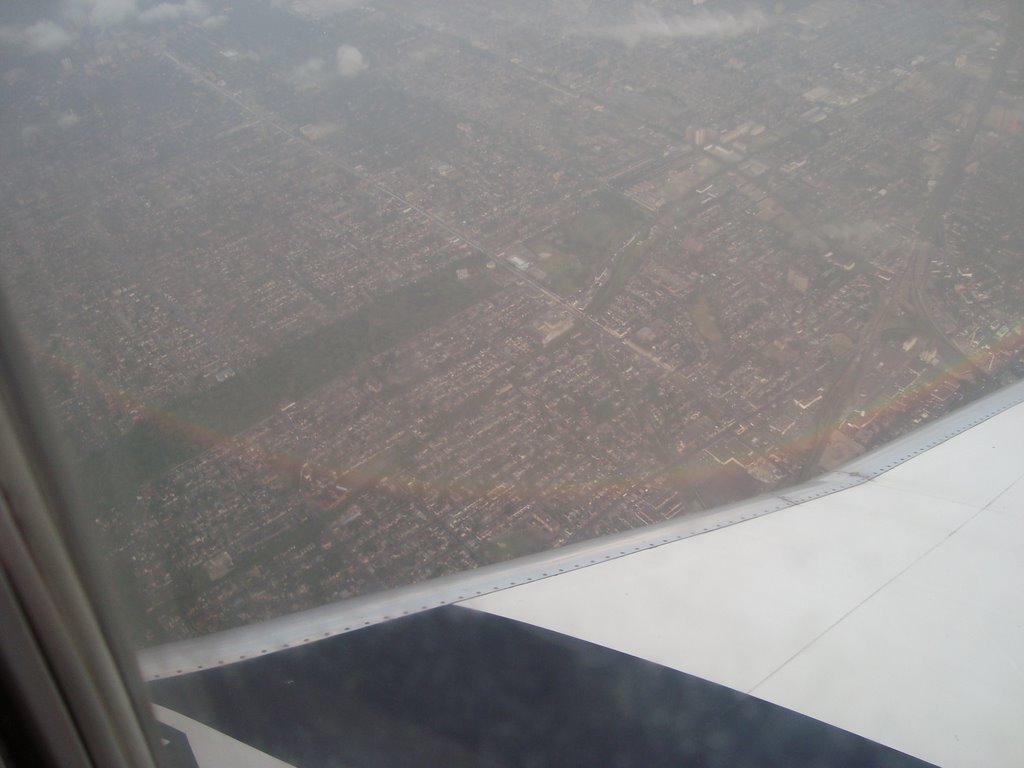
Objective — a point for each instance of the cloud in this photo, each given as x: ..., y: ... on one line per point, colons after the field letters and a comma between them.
x: 100, y: 13
x: 320, y: 8
x: 648, y: 25
x: 107, y: 13
x: 315, y: 72
x: 48, y: 36
x: 350, y: 61
x: 309, y: 74
x: 68, y: 120
x: 41, y: 37
x: 189, y: 10
x: 337, y: 6
x: 212, y: 22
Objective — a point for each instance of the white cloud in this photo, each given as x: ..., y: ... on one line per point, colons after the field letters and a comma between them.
x: 68, y: 119
x: 647, y: 24
x: 107, y: 13
x: 189, y: 10
x: 337, y: 6
x: 41, y: 37
x: 212, y: 22
x: 350, y: 61
x: 314, y: 72
x: 309, y: 74
x: 100, y: 13
x: 319, y: 8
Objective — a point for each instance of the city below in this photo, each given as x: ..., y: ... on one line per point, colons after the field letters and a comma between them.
x: 332, y: 297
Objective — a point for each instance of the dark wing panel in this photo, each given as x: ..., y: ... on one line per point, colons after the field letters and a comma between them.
x: 891, y: 609
x: 882, y: 599
x: 456, y: 687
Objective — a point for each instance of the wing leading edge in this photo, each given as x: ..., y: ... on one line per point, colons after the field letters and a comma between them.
x: 881, y: 599
x: 891, y: 609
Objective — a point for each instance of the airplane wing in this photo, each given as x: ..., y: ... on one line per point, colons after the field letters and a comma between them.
x: 872, y: 616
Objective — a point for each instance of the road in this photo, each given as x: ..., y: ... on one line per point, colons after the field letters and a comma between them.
x: 271, y: 121
x: 908, y: 288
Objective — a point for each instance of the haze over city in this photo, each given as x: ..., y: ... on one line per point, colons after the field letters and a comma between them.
x: 331, y: 296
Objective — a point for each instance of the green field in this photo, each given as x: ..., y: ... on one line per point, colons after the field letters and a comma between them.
x: 191, y: 424
x: 704, y: 318
x: 580, y: 246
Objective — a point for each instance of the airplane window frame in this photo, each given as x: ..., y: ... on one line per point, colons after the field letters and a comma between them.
x: 66, y: 676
